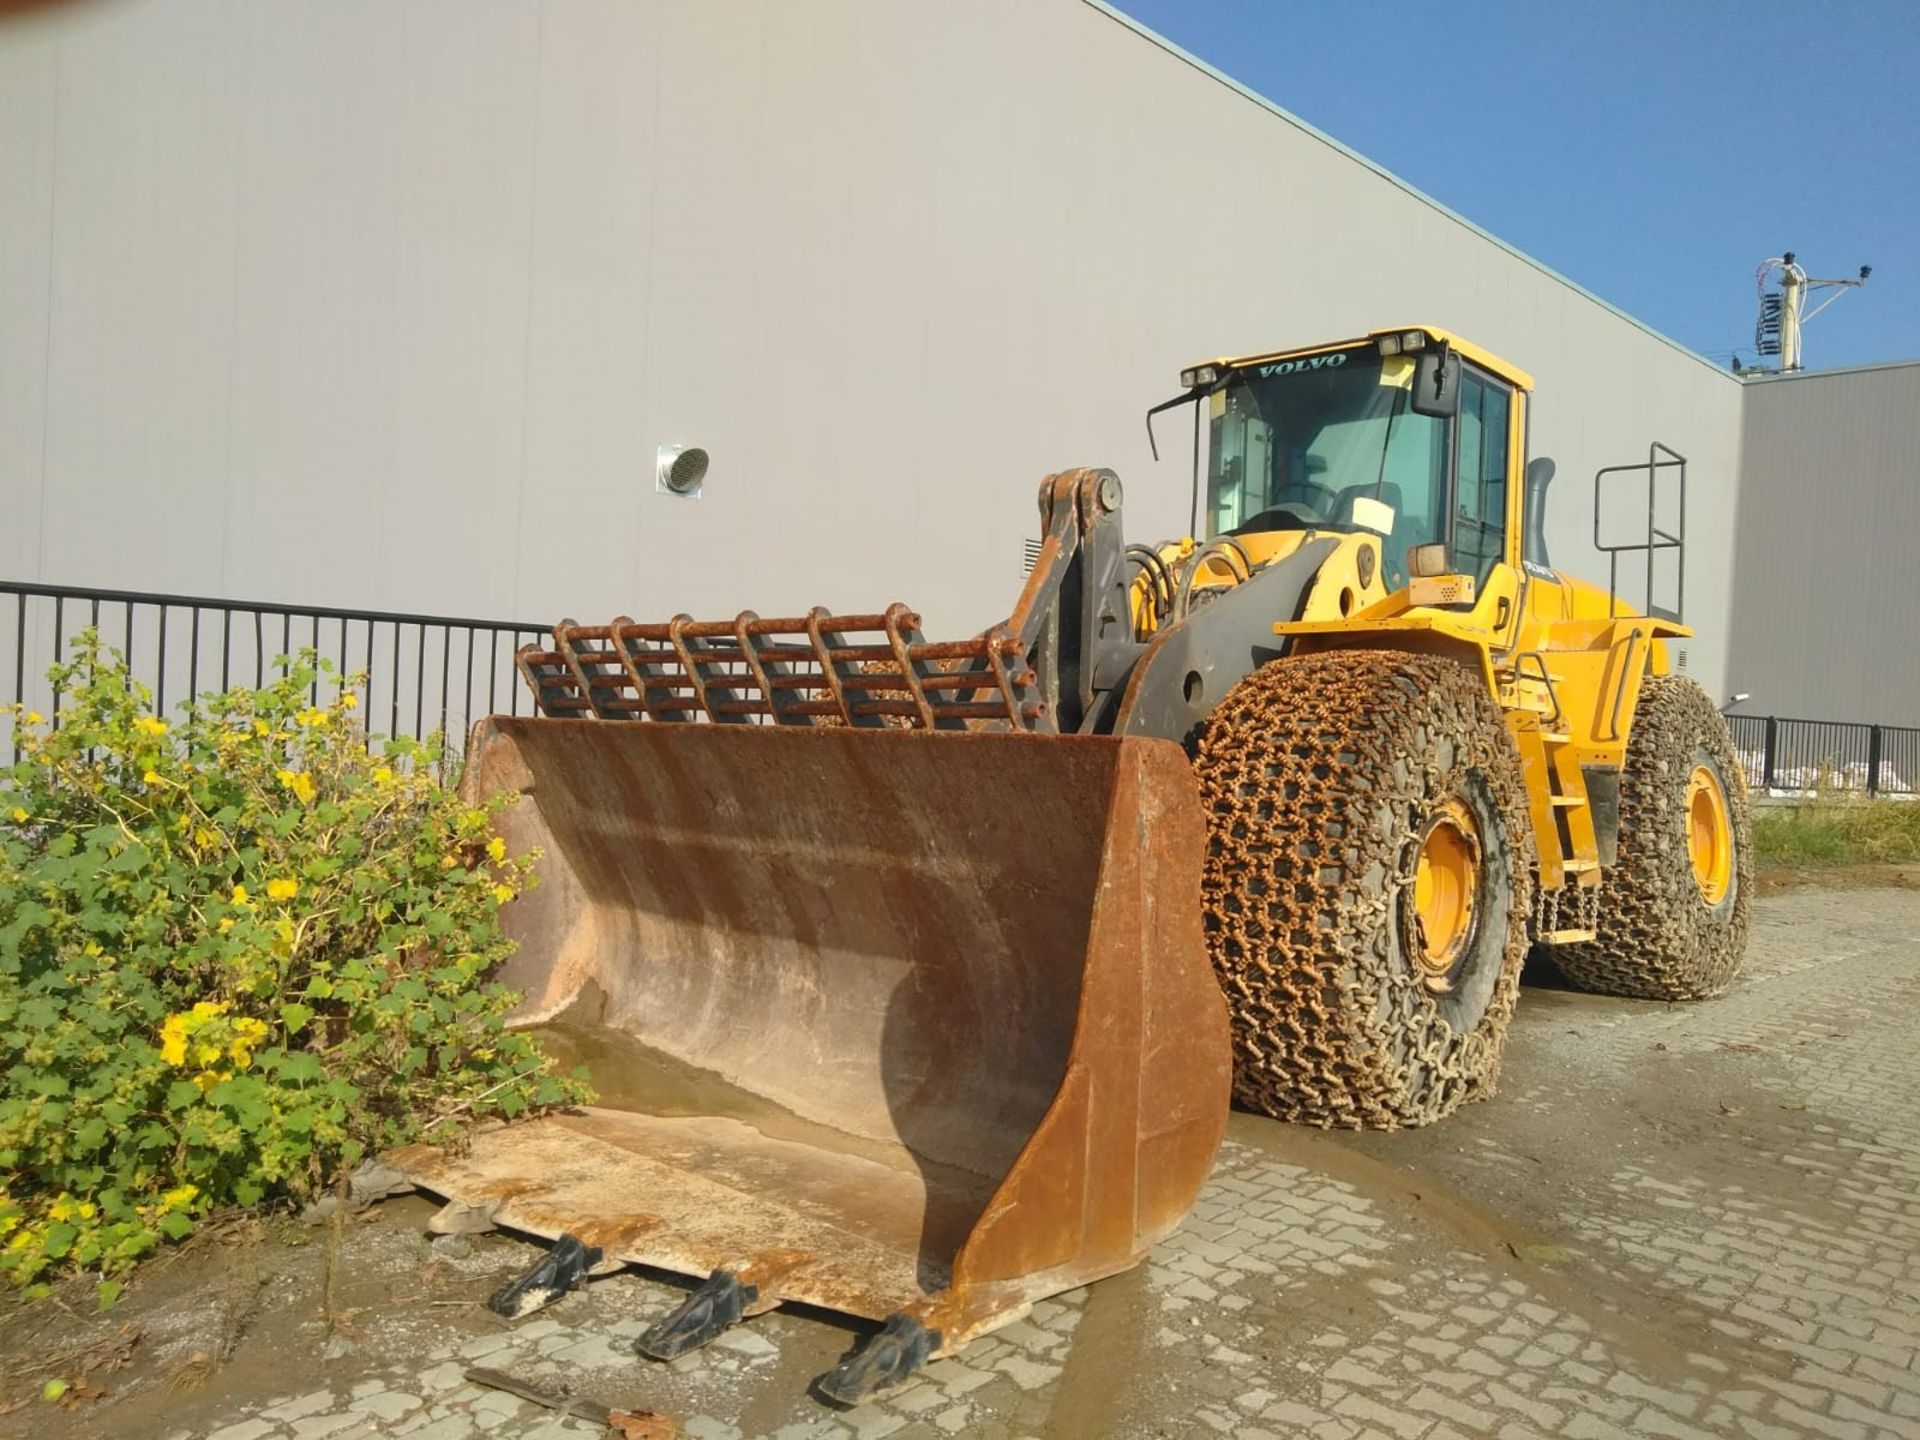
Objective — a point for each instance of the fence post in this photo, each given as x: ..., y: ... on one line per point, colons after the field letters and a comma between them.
x: 1873, y: 760
x: 1766, y: 753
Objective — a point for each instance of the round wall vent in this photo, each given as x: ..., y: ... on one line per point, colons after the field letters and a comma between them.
x: 683, y: 470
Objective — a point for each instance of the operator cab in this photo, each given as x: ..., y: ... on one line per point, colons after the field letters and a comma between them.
x: 1401, y: 435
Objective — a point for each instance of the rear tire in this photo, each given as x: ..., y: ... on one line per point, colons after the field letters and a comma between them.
x: 1673, y: 914
x: 1359, y: 996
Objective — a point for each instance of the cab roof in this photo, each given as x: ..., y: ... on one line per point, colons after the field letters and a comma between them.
x: 1485, y: 359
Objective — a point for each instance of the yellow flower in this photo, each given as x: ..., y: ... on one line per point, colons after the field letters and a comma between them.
x: 383, y: 776
x: 34, y: 717
x: 502, y: 894
x: 180, y: 1195
x: 496, y: 849
x: 226, y: 925
x: 173, y: 1040
x: 260, y: 727
x: 86, y: 1209
x: 349, y: 701
x: 447, y: 862
x: 247, y: 1033
x: 284, y: 888
x: 61, y: 1209
x: 239, y: 895
x: 207, y: 1079
x: 300, y: 783
x: 310, y: 717
x: 147, y: 725
x: 206, y: 1008
x: 152, y: 777
x: 19, y: 816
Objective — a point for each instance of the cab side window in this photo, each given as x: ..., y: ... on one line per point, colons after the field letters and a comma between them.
x: 1480, y: 475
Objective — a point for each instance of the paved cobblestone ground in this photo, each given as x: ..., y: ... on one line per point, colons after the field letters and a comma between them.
x: 1672, y: 1221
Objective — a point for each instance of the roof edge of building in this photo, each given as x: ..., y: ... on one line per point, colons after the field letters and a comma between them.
x: 1837, y: 370
x: 1155, y: 37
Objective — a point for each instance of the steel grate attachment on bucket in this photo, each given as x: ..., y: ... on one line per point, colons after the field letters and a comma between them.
x: 859, y: 670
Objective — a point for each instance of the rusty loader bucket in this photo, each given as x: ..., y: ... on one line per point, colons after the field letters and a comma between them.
x: 913, y: 1025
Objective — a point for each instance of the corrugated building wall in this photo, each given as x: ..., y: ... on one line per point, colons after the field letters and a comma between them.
x: 1826, y: 586
x: 390, y: 306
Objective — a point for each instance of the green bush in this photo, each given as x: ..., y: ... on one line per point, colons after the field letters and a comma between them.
x: 237, y: 953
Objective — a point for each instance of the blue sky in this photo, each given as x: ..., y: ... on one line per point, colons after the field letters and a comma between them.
x: 1653, y: 152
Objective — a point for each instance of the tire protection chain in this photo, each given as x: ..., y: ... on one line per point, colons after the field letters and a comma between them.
x: 1657, y: 938
x: 1303, y: 769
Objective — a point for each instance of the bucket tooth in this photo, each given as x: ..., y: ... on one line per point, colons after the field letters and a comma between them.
x: 885, y: 1363
x: 561, y: 1269
x: 721, y: 1302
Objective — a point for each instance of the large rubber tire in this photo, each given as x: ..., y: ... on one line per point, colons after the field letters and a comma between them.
x: 1658, y: 937
x: 1321, y: 775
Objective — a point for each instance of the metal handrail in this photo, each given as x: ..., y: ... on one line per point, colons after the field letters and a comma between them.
x: 1657, y: 539
x: 1632, y: 643
x: 1544, y: 677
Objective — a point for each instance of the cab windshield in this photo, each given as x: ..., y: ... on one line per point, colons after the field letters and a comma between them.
x: 1328, y: 442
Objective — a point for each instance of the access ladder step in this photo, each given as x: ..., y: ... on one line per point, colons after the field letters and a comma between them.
x: 1567, y: 937
x: 1561, y: 801
x: 1556, y: 737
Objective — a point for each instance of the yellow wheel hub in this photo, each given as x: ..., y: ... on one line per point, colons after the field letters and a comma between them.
x: 1446, y: 886
x: 1709, y: 835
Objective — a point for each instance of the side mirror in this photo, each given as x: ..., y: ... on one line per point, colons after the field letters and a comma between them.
x: 1436, y: 383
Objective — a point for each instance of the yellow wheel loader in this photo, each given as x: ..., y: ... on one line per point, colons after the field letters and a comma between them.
x: 916, y: 977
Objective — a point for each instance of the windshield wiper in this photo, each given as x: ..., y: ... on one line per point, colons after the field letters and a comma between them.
x: 1380, y: 480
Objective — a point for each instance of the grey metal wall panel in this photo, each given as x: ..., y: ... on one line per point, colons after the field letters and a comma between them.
x: 391, y: 305
x: 29, y: 60
x: 1826, y: 589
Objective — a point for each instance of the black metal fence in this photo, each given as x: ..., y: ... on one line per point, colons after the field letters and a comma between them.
x: 1798, y: 756
x: 424, y: 673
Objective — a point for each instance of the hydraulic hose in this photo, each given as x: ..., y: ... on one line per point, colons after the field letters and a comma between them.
x: 1225, y: 543
x: 1162, y: 579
